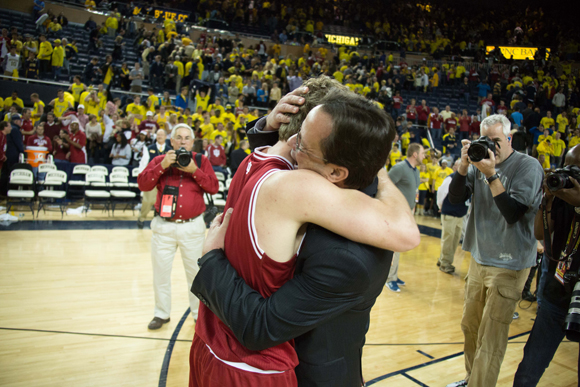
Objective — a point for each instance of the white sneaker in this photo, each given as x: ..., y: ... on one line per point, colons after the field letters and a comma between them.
x: 458, y: 384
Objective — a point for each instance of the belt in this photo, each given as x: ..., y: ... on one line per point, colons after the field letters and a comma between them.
x: 177, y: 220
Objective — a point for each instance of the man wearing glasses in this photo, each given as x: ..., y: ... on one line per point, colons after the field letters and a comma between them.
x: 178, y: 220
x: 346, y: 140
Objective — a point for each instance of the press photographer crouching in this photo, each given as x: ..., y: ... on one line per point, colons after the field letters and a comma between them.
x: 557, y: 223
x: 181, y: 178
x: 506, y: 188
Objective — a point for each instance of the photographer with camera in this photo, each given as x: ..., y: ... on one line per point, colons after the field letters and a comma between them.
x: 505, y: 190
x: 181, y: 178
x: 559, y: 214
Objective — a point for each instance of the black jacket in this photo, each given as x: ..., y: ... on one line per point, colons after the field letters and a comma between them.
x: 325, y: 307
x: 14, y: 145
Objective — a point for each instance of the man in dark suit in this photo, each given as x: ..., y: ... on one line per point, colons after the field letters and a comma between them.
x: 14, y: 147
x: 325, y: 307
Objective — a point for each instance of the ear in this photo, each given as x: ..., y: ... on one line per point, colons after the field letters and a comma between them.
x: 336, y: 174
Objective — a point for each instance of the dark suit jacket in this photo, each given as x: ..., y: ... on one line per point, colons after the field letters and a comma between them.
x: 325, y: 307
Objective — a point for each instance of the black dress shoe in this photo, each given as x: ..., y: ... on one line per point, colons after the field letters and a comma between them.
x: 157, y: 323
x: 140, y: 224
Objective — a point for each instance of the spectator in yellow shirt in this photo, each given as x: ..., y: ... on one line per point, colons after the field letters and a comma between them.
x: 44, y: 55
x: 559, y: 147
x: 548, y: 121
x: 13, y: 100
x: 112, y: 24
x: 90, y: 4
x: 562, y: 121
x: 424, y: 177
x: 546, y: 149
x: 394, y: 156
x: 574, y: 140
x: 57, y: 59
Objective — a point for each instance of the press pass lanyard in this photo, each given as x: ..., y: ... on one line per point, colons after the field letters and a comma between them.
x: 566, y: 262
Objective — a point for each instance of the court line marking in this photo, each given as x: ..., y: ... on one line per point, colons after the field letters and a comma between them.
x: 169, y: 350
x: 419, y: 366
x: 414, y: 380
x: 89, y: 334
x: 425, y: 354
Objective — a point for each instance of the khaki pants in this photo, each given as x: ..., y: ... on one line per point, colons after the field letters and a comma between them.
x: 147, y: 203
x: 165, y: 239
x: 450, y: 235
x: 491, y: 296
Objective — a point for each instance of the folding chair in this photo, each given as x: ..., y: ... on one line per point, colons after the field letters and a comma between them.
x: 102, y: 170
x: 23, y: 180
x: 51, y: 193
x: 122, y: 170
x: 45, y: 168
x: 119, y: 195
x: 76, y: 185
x: 96, y: 196
x: 220, y: 176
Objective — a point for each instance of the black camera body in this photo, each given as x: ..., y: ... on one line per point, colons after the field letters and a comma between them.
x: 560, y: 177
x: 182, y: 158
x: 478, y: 150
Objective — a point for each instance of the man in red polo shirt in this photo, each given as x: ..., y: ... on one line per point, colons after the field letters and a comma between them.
x: 397, y: 102
x: 77, y: 141
x: 423, y: 113
x: 39, y: 139
x: 451, y: 122
x: 178, y: 220
x: 435, y: 121
x: 412, y: 112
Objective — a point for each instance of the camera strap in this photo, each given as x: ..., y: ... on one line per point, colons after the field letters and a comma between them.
x: 169, y: 197
x: 566, y: 263
x: 547, y: 233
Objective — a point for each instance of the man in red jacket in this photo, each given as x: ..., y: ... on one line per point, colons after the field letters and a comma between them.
x: 217, y: 156
x: 39, y: 139
x: 423, y: 113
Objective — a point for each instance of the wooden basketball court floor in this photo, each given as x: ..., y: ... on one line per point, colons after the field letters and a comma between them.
x: 76, y: 297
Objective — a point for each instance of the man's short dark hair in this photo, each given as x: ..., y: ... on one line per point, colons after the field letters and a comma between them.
x: 361, y: 137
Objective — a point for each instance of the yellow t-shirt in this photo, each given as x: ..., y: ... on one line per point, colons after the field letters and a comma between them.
x: 206, y: 130
x: 559, y: 146
x: 405, y: 140
x: 136, y: 109
x: 91, y: 107
x: 223, y: 133
x: 440, y: 175
x: 35, y: 111
x: 202, y: 101
x: 77, y: 90
x: 562, y: 123
x: 215, y: 120
x: 152, y: 101
x: 60, y: 107
x: 424, y: 186
x: 9, y: 102
x: 394, y: 157
x: 574, y: 140
x: 547, y: 122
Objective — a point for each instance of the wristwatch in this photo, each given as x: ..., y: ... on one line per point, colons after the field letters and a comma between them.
x: 492, y: 178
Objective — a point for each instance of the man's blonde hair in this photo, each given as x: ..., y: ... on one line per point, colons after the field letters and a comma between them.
x: 318, y: 88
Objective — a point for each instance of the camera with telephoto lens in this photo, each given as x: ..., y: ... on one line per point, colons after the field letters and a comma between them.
x: 560, y: 177
x: 478, y: 150
x: 182, y: 158
x: 572, y: 322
